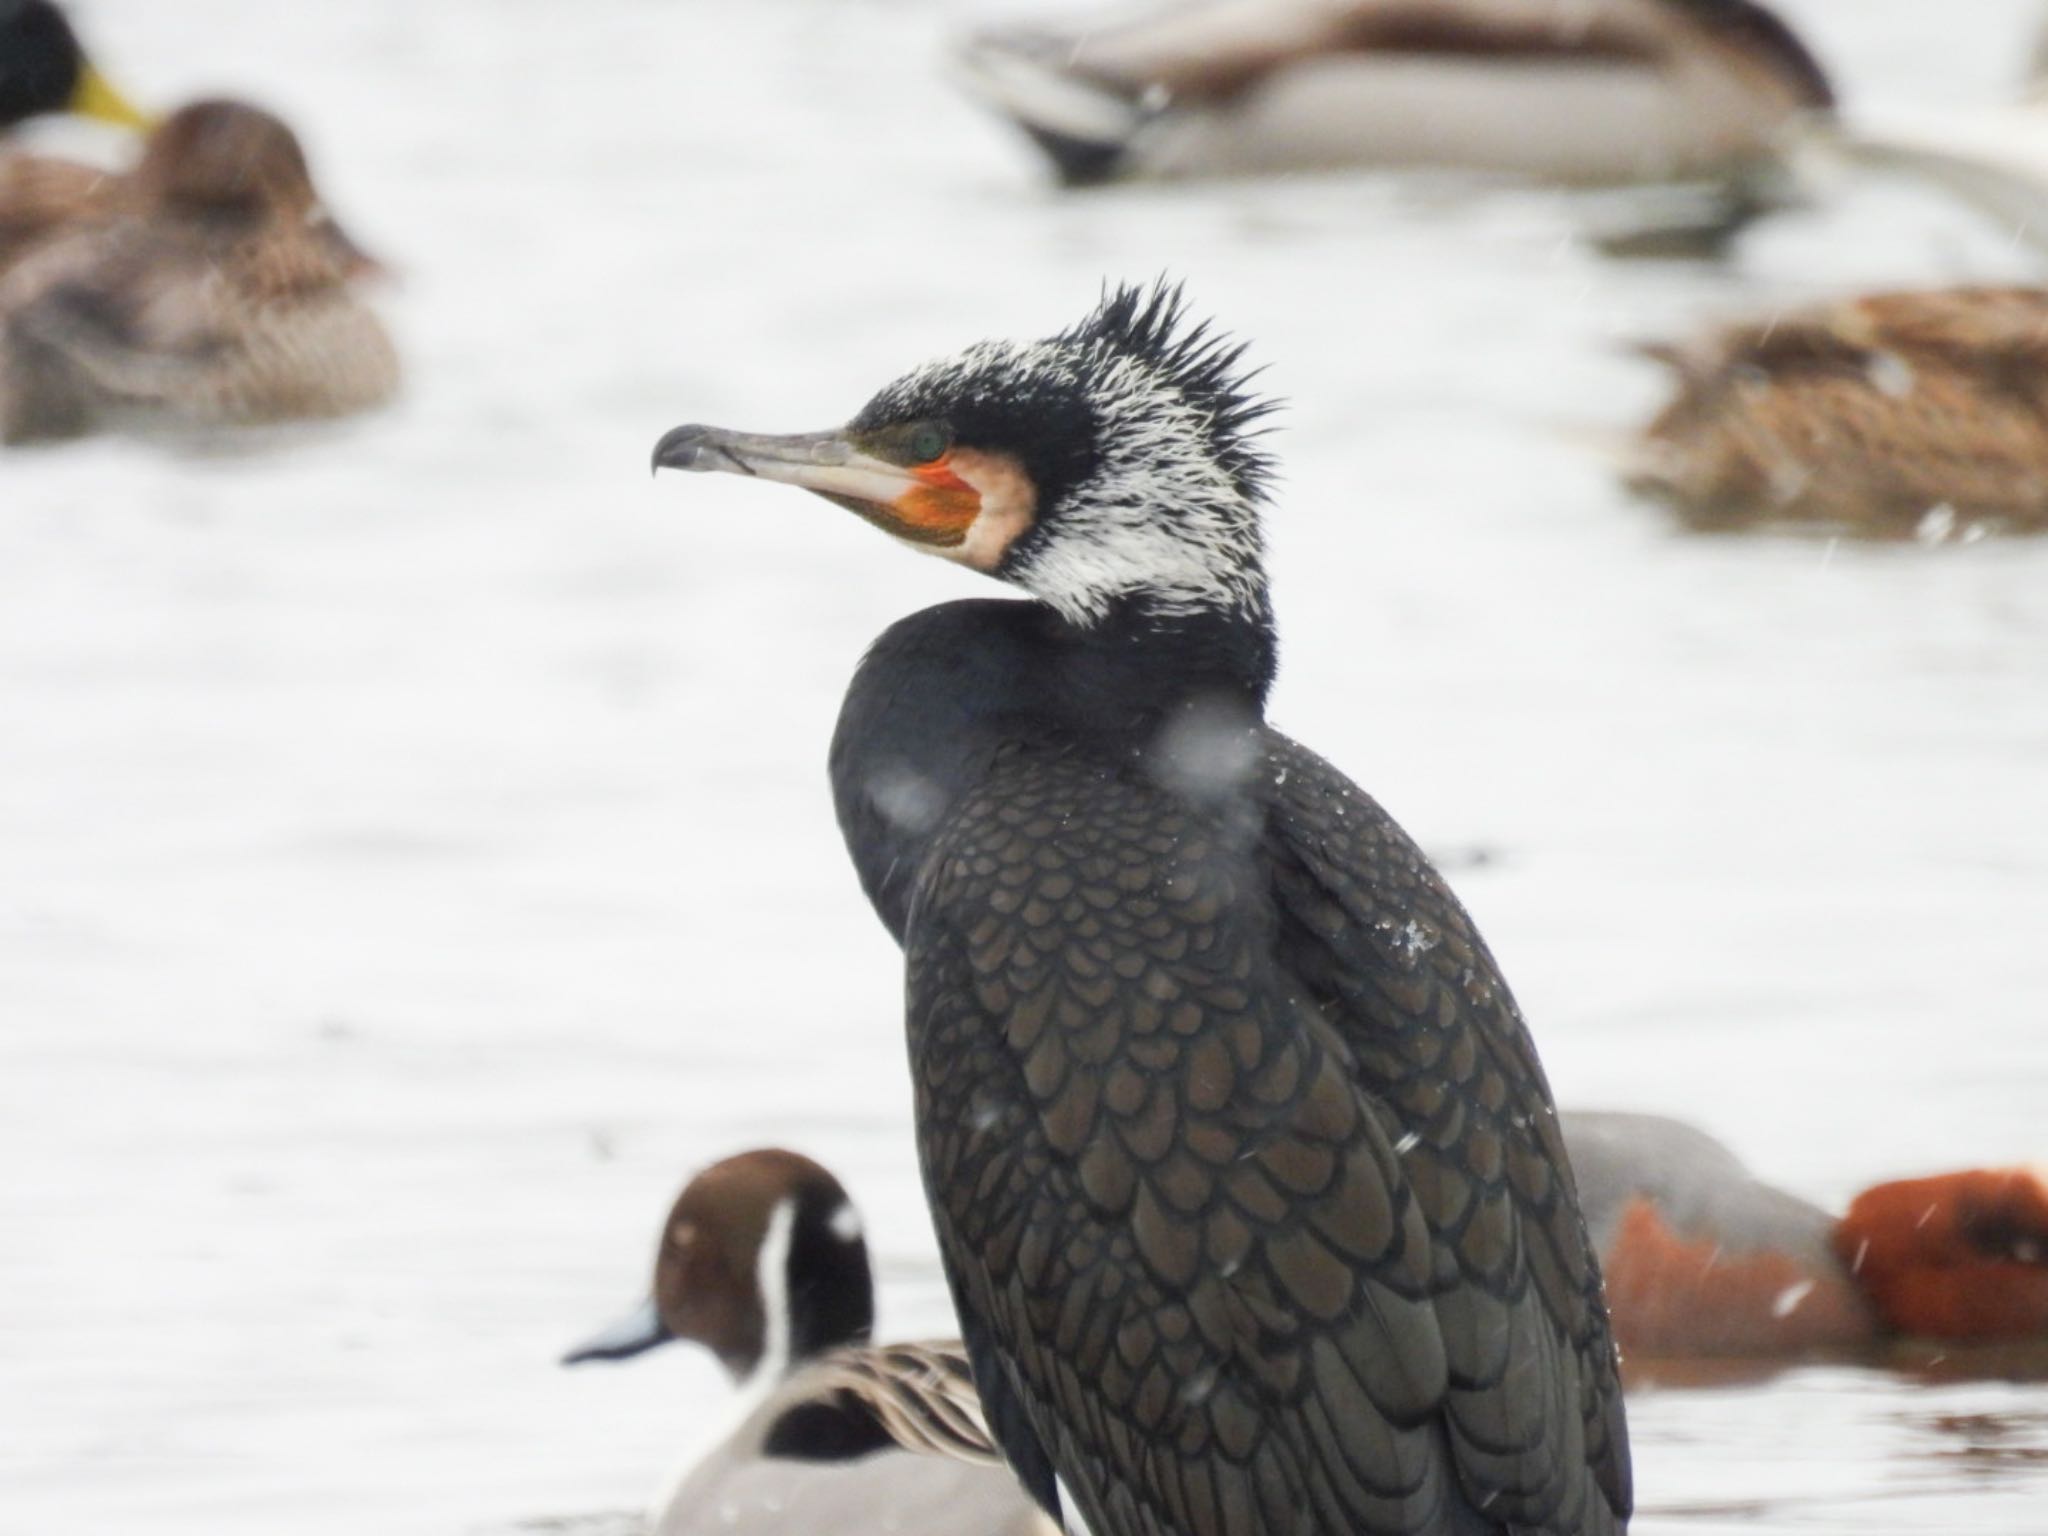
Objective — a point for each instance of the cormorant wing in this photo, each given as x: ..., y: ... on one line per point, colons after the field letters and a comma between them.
x: 1389, y: 955
x: 1169, y: 1184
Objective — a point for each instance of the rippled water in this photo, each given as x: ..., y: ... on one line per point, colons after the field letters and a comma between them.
x: 417, y: 849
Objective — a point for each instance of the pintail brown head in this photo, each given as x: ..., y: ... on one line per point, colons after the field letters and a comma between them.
x: 762, y: 1261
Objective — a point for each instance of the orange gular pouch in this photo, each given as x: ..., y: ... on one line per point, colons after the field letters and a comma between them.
x: 939, y: 509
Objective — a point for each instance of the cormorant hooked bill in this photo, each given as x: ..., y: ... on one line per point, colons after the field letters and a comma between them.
x: 1245, y: 1174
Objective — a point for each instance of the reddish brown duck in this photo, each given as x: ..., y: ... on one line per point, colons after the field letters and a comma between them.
x: 210, y: 288
x: 1705, y: 1260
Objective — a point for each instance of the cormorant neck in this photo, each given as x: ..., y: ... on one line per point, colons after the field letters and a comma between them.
x: 944, y: 691
x: 1156, y: 657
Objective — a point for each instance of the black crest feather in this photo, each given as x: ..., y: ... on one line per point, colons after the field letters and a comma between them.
x: 1205, y: 366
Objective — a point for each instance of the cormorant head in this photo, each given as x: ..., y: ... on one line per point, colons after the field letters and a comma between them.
x: 1117, y: 461
x: 43, y: 69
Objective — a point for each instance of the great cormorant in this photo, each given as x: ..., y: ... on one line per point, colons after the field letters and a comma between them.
x: 1244, y: 1171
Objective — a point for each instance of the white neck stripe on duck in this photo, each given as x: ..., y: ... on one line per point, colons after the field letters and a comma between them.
x: 1138, y: 433
x: 771, y: 1274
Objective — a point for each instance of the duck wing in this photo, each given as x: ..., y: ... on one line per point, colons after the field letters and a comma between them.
x: 170, y: 322
x: 911, y: 1397
x: 126, y: 307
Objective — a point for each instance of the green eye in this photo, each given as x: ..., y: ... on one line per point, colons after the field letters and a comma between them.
x: 928, y: 442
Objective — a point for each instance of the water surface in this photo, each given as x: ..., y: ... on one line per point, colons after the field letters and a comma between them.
x: 417, y: 843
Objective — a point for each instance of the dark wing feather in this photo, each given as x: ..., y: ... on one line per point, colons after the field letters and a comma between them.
x: 1391, y: 957
x: 1172, y: 1209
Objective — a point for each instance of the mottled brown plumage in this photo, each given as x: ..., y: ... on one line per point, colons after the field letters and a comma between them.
x: 1866, y: 416
x: 41, y: 195
x: 207, y: 288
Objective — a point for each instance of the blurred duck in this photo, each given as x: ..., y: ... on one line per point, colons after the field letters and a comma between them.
x: 1705, y: 1261
x: 207, y: 288
x: 762, y: 1262
x: 43, y: 69
x: 1584, y: 92
x: 1887, y: 415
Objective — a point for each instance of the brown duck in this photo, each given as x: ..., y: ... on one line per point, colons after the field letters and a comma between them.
x: 1884, y: 415
x: 206, y: 288
x: 1705, y: 1260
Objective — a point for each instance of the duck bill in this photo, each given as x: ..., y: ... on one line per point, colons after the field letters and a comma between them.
x: 634, y: 1334
x: 95, y: 96
x: 925, y: 504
